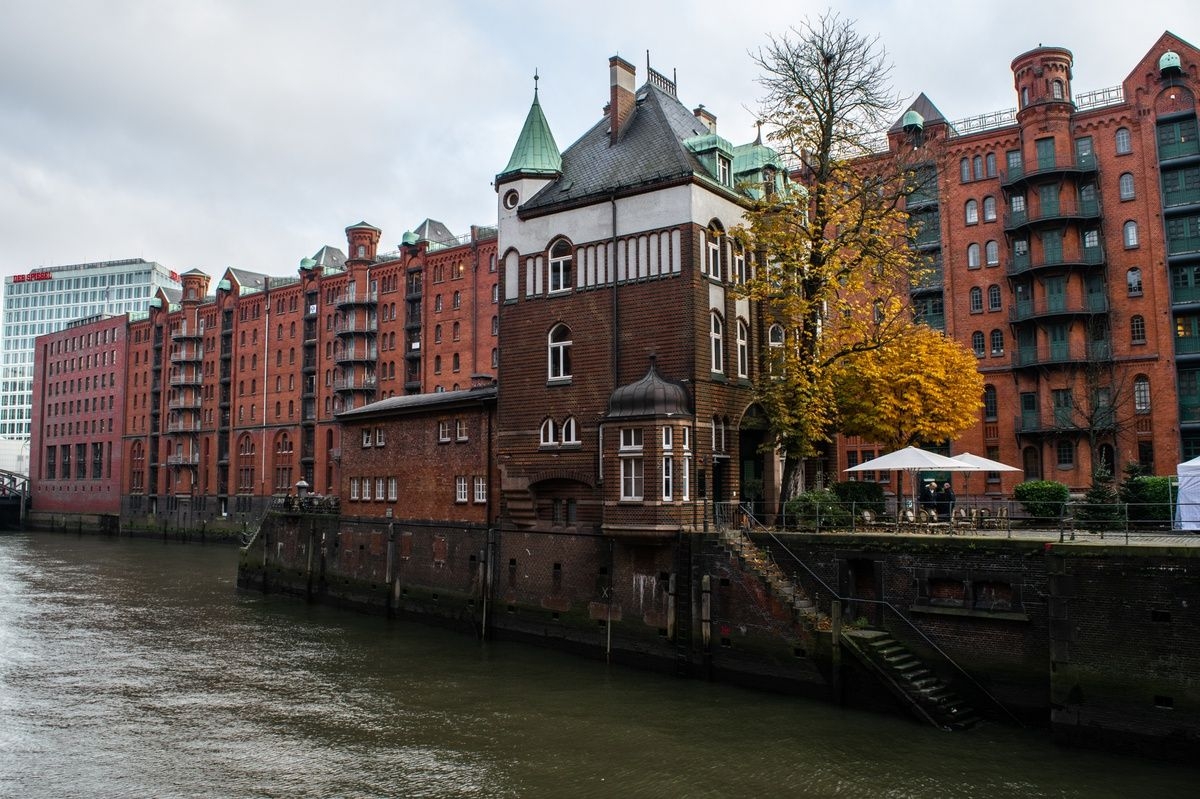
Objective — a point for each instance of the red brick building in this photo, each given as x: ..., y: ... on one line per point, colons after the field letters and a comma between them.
x: 1065, y: 236
x: 76, y: 457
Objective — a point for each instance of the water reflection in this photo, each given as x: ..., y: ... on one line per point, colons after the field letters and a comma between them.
x: 132, y: 668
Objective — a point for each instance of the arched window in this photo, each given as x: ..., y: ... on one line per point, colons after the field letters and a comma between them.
x: 559, y: 353
x: 976, y: 299
x: 1056, y: 89
x: 457, y: 300
x: 964, y: 170
x: 454, y: 362
x: 570, y: 431
x: 972, y: 256
x: 279, y: 332
x: 495, y: 357
x: 456, y: 332
x: 993, y: 297
x: 712, y: 261
x: 989, y: 209
x: 437, y: 334
x: 991, y: 165
x: 549, y: 434
x: 1131, y: 234
x: 1126, y: 186
x: 775, y: 335
x: 717, y: 340
x: 1024, y: 96
x: 743, y: 348
x: 997, y: 342
x: 991, y: 407
x: 977, y: 344
x: 977, y: 163
x: 1133, y: 281
x: 560, y: 265
x: 245, y: 478
x: 991, y: 253
x: 972, y: 212
x: 1141, y: 394
x: 495, y: 325
x: 1137, y: 329
x: 437, y: 364
x: 1123, y: 141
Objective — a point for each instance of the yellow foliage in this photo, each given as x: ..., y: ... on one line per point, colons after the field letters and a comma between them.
x: 922, y: 387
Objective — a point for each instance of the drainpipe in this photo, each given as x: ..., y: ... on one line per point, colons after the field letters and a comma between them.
x: 616, y: 316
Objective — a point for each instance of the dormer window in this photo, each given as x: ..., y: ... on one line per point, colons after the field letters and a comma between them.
x: 723, y: 170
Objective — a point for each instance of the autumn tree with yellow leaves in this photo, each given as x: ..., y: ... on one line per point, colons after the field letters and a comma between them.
x: 922, y: 388
x: 834, y: 273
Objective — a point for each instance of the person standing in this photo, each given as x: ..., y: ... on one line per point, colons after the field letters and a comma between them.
x: 945, y: 501
x: 927, y: 499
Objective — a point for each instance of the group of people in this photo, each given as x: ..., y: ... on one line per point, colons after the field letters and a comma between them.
x: 937, y: 502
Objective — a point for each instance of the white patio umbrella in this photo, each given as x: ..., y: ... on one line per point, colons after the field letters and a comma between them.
x: 913, y: 460
x: 984, y: 464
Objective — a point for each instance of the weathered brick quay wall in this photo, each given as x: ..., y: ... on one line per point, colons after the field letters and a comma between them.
x: 1100, y: 643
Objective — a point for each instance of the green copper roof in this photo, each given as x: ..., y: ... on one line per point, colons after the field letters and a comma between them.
x: 536, y: 152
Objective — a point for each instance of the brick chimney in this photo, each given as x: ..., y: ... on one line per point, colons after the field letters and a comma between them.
x: 706, y: 117
x: 621, y: 98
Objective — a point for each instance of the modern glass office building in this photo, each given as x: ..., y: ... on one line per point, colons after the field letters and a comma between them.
x: 45, y: 300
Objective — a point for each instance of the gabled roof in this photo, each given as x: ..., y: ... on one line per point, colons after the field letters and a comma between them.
x: 247, y: 280
x: 434, y: 231
x: 330, y: 259
x: 923, y: 106
x: 535, y: 153
x: 649, y: 151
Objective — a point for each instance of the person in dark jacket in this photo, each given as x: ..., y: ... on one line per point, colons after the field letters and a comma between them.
x: 927, y: 499
x: 945, y: 501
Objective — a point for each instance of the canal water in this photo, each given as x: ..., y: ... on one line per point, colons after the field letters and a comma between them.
x: 136, y: 669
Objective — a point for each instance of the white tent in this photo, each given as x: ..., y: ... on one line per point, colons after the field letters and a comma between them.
x: 985, y: 464
x: 1187, y: 502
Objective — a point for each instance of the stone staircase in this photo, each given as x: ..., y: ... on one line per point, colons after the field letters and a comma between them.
x: 911, y: 680
x: 751, y: 558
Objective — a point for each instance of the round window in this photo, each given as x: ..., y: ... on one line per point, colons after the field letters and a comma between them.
x: 511, y: 198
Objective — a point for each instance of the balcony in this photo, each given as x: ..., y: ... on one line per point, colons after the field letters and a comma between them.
x: 1176, y: 197
x: 1178, y: 149
x: 350, y: 327
x: 1047, y: 169
x: 184, y: 460
x: 1032, y: 423
x: 1187, y: 345
x: 181, y: 426
x: 185, y: 333
x: 354, y: 383
x: 351, y: 298
x: 186, y: 380
x: 1052, y: 214
x: 183, y: 403
x: 1025, y: 310
x: 188, y: 353
x: 1087, y: 256
x: 1060, y: 355
x: 357, y: 355
x: 1178, y: 245
x: 1189, y: 411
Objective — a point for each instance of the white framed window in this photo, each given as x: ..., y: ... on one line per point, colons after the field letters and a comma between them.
x: 668, y: 437
x: 685, y: 466
x: 460, y: 488
x: 743, y: 348
x: 775, y: 335
x: 632, y: 481
x: 379, y: 488
x: 380, y: 437
x: 460, y: 429
x: 668, y: 474
x: 976, y: 299
x: 971, y: 212
x: 560, y: 266
x: 366, y: 437
x: 989, y: 209
x: 739, y: 263
x: 993, y: 295
x: 559, y: 353
x: 366, y: 489
x: 1141, y: 394
x: 444, y: 430
x: 570, y: 431
x: 480, y: 490
x: 1131, y: 234
x: 717, y: 339
x: 972, y: 256
x: 353, y: 488
x: 723, y: 170
x: 1123, y: 141
x: 991, y: 253
x: 712, y: 262
x: 718, y: 434
x: 392, y: 496
x: 1125, y: 186
x: 548, y: 437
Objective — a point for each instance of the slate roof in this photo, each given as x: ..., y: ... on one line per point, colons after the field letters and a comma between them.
x: 649, y: 151
x: 330, y: 258
x: 923, y: 106
x: 415, y: 403
x: 434, y: 231
x: 650, y: 396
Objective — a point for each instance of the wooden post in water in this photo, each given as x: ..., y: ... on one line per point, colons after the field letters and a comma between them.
x: 835, y: 615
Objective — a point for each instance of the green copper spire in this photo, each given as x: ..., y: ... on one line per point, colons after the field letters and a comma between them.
x: 535, y: 153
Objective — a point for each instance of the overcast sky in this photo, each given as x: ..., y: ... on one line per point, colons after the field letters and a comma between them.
x: 250, y: 133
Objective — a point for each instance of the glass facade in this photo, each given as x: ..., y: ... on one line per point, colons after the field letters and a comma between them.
x: 46, y: 300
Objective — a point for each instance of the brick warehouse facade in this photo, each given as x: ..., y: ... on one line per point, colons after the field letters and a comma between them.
x: 229, y: 397
x: 1064, y: 237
